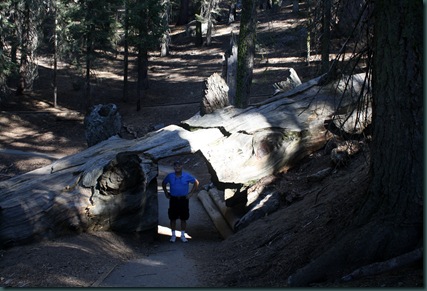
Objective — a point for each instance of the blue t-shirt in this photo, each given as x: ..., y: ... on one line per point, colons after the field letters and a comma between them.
x: 179, y: 185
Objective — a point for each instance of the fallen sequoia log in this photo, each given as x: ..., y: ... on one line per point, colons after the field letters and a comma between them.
x: 274, y: 135
x: 112, y: 185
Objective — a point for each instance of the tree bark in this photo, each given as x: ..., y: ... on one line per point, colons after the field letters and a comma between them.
x: 326, y: 34
x: 112, y: 185
x: 392, y: 215
x: 126, y: 54
x: 246, y: 52
x: 24, y: 67
x: 231, y: 68
x: 183, y: 12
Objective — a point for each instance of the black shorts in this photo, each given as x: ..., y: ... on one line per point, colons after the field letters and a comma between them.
x: 178, y: 208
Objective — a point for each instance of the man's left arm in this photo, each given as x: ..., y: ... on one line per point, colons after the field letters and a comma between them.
x: 193, y: 189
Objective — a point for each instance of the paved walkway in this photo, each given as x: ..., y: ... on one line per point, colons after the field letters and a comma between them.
x: 170, y: 264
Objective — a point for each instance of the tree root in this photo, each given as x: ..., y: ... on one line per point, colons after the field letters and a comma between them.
x: 381, y: 267
x: 359, y: 247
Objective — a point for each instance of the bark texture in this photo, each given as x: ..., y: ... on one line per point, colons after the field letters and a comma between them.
x: 392, y: 215
x: 246, y: 52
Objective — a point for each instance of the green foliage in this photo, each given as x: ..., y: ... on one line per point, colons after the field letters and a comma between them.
x: 85, y: 27
x: 145, y: 23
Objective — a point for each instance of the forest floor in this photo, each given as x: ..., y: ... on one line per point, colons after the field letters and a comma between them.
x: 261, y: 255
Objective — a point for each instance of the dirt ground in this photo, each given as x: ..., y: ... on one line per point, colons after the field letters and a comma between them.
x: 264, y: 254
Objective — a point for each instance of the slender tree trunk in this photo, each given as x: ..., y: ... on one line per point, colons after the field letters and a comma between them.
x: 25, y: 44
x: 199, y: 35
x: 14, y: 43
x: 126, y: 54
x: 139, y: 80
x: 164, y: 47
x: 89, y: 55
x: 55, y: 56
x: 246, y: 52
x: 212, y: 5
x: 183, y: 12
x: 295, y: 6
x: 308, y: 40
x: 87, y: 93
x: 326, y: 36
x: 142, y: 75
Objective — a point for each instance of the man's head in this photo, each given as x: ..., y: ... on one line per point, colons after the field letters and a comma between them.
x: 177, y: 165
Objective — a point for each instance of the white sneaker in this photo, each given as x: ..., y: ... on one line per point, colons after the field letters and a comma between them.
x: 173, y: 238
x: 183, y: 239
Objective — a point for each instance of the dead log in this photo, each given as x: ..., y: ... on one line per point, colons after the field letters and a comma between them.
x: 109, y: 186
x: 291, y: 81
x: 214, y: 213
x: 267, y: 205
x: 226, y: 212
x: 112, y: 185
x: 272, y: 136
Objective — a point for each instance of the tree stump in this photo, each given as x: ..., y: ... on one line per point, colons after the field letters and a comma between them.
x: 102, y: 122
x: 216, y: 94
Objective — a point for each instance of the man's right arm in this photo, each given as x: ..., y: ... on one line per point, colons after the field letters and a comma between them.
x: 165, y: 189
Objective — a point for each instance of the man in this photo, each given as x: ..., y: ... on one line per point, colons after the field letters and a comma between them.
x: 178, y: 197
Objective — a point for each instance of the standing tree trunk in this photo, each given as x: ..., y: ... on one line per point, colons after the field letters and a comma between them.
x: 164, y: 46
x: 183, y: 12
x: 295, y: 6
x: 308, y: 40
x: 397, y: 148
x: 126, y: 54
x: 24, y: 66
x: 89, y: 54
x: 55, y: 55
x: 246, y: 52
x: 87, y: 94
x: 390, y: 222
x: 326, y: 36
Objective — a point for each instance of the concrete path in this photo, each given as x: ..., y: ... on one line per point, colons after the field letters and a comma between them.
x: 169, y: 264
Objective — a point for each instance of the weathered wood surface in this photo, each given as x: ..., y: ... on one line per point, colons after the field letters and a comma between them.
x: 216, y: 94
x: 215, y: 214
x: 112, y: 185
x: 96, y: 189
x: 227, y: 212
x: 267, y: 205
x: 274, y: 135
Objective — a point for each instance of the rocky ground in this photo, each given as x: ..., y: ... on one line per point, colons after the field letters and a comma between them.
x: 264, y: 254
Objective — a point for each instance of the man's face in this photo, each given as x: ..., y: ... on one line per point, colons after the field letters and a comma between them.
x: 177, y: 167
